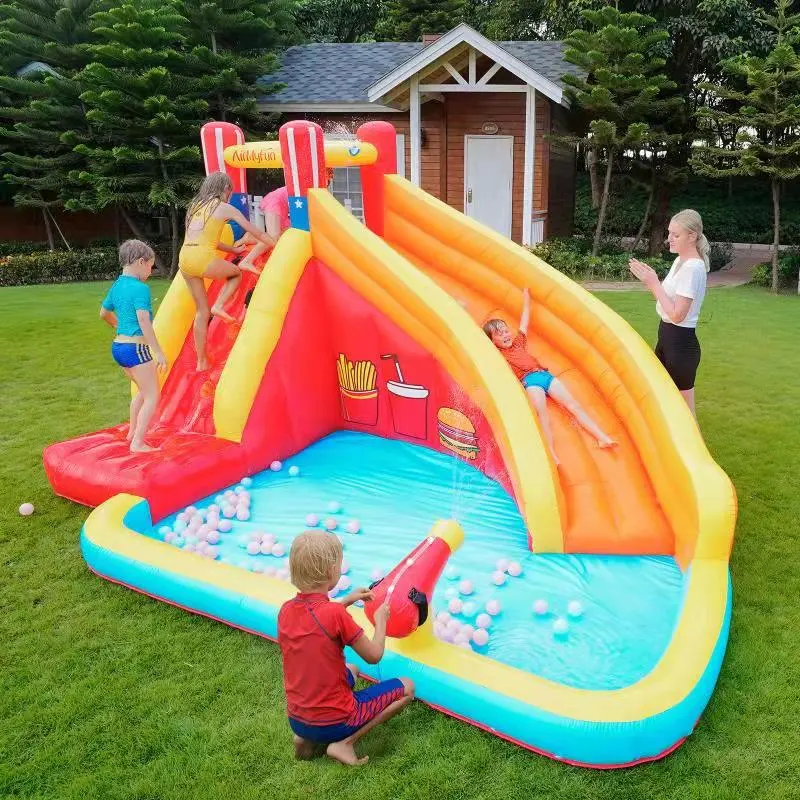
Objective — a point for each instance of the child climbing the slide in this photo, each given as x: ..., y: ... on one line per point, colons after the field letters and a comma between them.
x: 206, y: 216
x: 538, y: 382
x: 128, y: 308
x: 312, y: 634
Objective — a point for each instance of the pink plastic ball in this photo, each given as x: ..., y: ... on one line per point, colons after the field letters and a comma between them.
x: 212, y: 522
x: 502, y: 564
x: 189, y: 547
x: 278, y: 550
x: 253, y: 548
x: 228, y: 511
x: 202, y: 532
x: 225, y: 525
x: 212, y: 553
x: 270, y: 571
x: 465, y: 645
x: 345, y: 567
x: 498, y: 578
x: 265, y: 549
x: 190, y: 511
x: 312, y: 520
x: 276, y: 466
x: 377, y: 574
x: 344, y: 583
x: 438, y: 629
x: 164, y: 530
x: 331, y: 524
x: 540, y: 607
x: 354, y: 526
x: 443, y: 617
x: 213, y: 537
x: 214, y: 508
x: 455, y: 606
x: 467, y: 630
x: 182, y: 517
x: 481, y: 637
x: 283, y: 574
x: 333, y: 592
x: 242, y: 515
x: 255, y: 536
x: 170, y: 537
x: 460, y: 638
x: 514, y: 569
x: 466, y: 587
x: 268, y: 538
x: 483, y: 620
x: 493, y: 607
x: 230, y: 496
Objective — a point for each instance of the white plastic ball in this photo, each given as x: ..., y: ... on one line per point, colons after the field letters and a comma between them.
x: 276, y: 466
x: 498, y: 578
x: 294, y: 471
x: 560, y: 626
x: 455, y: 606
x: 575, y: 609
x: 466, y: 587
x: 483, y: 620
x: 514, y: 569
x: 540, y: 607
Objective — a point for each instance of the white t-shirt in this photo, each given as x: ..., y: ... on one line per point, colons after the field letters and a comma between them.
x: 687, y: 280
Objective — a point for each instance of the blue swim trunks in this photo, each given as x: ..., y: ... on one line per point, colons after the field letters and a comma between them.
x: 369, y: 703
x: 541, y: 378
x: 130, y: 354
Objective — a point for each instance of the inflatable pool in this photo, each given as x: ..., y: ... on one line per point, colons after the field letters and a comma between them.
x: 581, y: 612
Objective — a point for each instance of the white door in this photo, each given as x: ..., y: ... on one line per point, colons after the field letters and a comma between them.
x: 488, y: 174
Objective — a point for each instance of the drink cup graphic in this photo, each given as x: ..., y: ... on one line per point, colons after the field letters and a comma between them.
x: 357, y: 389
x: 409, y: 404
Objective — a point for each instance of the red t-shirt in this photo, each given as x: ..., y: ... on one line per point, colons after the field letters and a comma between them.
x: 518, y: 357
x: 312, y: 634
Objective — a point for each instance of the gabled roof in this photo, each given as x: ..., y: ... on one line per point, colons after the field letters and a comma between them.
x: 320, y: 75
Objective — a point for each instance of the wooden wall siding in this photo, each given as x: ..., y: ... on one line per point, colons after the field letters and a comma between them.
x: 79, y: 227
x: 561, y: 190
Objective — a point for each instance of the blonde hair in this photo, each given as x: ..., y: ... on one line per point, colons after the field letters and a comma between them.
x: 493, y: 326
x: 312, y: 557
x: 213, y: 191
x: 691, y: 221
x: 132, y: 250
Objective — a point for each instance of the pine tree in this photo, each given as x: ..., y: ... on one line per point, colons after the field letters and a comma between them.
x: 624, y: 90
x: 43, y: 103
x: 407, y: 21
x: 337, y: 20
x: 767, y: 114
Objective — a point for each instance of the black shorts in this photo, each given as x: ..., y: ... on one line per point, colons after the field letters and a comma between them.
x: 678, y: 349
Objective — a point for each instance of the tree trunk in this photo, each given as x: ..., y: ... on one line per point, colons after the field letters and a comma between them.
x: 131, y: 223
x: 174, y: 221
x: 51, y: 242
x: 776, y: 231
x: 658, y: 227
x: 591, y: 164
x: 640, y: 232
x: 220, y: 99
x: 601, y: 216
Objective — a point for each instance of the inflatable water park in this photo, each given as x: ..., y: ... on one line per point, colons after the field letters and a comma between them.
x: 579, y: 611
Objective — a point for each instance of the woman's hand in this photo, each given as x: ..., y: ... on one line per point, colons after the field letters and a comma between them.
x: 645, y: 273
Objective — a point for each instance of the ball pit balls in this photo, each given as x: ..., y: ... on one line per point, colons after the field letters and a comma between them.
x: 465, y: 645
x: 190, y: 511
x: 469, y: 609
x: 354, y: 526
x: 467, y: 630
x: 498, y: 578
x: 455, y: 606
x: 247, y: 481
x: 540, y: 607
x: 560, y: 626
x: 255, y: 536
x: 493, y: 607
x: 331, y: 524
x: 344, y: 583
x: 191, y: 539
x: 575, y: 609
x: 514, y: 569
x: 229, y: 495
x: 466, y: 587
x: 483, y: 620
x: 451, y: 592
x: 178, y: 541
x: 243, y: 515
x: 189, y: 547
x: 268, y: 538
x: 265, y: 548
x: 182, y: 517
x: 213, y: 537
x: 334, y: 507
x: 276, y: 466
x: 443, y: 617
x: 502, y: 564
x: 214, y: 508
x: 258, y: 568
x: 377, y: 574
x: 312, y: 520
x: 212, y: 553
x: 278, y: 550
x: 170, y: 537
x: 345, y: 567
x: 359, y: 603
x: 239, y: 489
x: 225, y: 525
x: 333, y: 592
x: 481, y: 637
x: 202, y: 532
x: 219, y: 500
x: 253, y: 548
x: 452, y: 574
x: 179, y: 526
x: 269, y: 571
x: 163, y: 530
x: 461, y: 638
x: 228, y: 511
x: 294, y: 472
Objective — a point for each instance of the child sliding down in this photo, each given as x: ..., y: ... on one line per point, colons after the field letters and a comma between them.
x: 538, y: 382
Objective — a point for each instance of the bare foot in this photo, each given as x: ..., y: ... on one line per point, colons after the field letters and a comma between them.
x: 129, y: 437
x: 246, y: 266
x: 303, y: 749
x: 141, y: 447
x: 220, y: 312
x: 606, y: 443
x: 344, y: 753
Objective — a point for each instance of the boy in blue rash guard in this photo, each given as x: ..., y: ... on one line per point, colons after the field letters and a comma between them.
x: 128, y: 308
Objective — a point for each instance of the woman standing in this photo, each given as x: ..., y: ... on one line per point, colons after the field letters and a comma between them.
x: 679, y: 299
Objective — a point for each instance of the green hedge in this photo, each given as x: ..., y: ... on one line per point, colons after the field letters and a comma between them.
x: 788, y: 271
x: 59, y: 266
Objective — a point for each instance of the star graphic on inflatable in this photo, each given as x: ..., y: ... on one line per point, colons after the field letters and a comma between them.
x: 298, y: 203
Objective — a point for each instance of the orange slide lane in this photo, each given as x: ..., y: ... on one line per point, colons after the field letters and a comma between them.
x: 611, y: 504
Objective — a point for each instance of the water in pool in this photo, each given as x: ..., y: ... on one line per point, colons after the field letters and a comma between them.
x: 396, y: 491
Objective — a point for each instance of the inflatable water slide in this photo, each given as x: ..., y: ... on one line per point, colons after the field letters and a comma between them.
x: 581, y: 611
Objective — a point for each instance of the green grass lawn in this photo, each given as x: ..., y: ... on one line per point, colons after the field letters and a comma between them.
x: 107, y: 694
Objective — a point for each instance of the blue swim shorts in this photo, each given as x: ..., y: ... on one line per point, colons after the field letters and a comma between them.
x: 130, y: 354
x: 541, y: 378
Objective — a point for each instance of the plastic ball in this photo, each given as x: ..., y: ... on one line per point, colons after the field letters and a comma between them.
x: 498, y: 578
x: 540, y: 607
x: 276, y: 466
x: 465, y: 645
x: 483, y: 620
x: 345, y: 567
x: 268, y: 538
x: 258, y: 568
x: 331, y: 524
x: 493, y: 607
x: 229, y: 496
x: 467, y: 630
x: 344, y: 583
x: 270, y: 571
x: 333, y: 592
x: 438, y: 629
x: 228, y: 511
x: 239, y: 489
x: 481, y: 637
x: 202, y: 533
x: 242, y: 515
x: 469, y: 609
x: 213, y: 537
x: 451, y: 592
x: 255, y: 536
x: 212, y: 523
x: 359, y: 604
x: 575, y: 609
x: 460, y: 638
x: 163, y: 530
x: 443, y: 617
x: 246, y: 481
x: 455, y: 606
x: 170, y: 537
x: 294, y: 471
x: 452, y: 574
x: 178, y: 541
x: 447, y: 634
x: 214, y: 508
x: 354, y: 526
x: 502, y: 564
x: 560, y: 626
x: 334, y: 507
x: 466, y: 587
x: 514, y: 569
x: 179, y: 526
x: 377, y: 574
x: 243, y: 501
x: 453, y: 625
x: 190, y: 511
x: 219, y: 500
x: 278, y: 550
x: 265, y: 548
x: 189, y: 547
x: 253, y: 548
x: 212, y: 553
x: 225, y: 525
x: 312, y: 520
x: 182, y: 517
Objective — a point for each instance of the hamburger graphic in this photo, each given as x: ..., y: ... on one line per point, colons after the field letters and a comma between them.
x: 457, y: 433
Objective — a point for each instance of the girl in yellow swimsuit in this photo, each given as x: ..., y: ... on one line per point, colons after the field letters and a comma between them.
x: 207, y: 215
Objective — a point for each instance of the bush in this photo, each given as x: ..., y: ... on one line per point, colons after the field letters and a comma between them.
x: 574, y: 258
x: 59, y: 266
x: 788, y: 271
x: 21, y: 248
